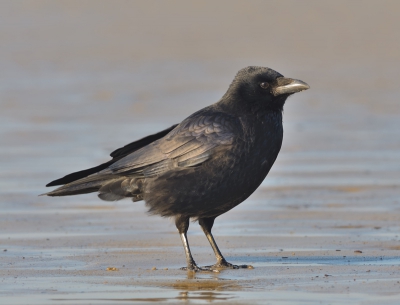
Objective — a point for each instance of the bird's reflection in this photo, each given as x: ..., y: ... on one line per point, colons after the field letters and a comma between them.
x: 205, y: 286
x: 209, y: 296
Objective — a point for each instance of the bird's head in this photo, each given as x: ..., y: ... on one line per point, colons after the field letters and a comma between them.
x: 257, y: 88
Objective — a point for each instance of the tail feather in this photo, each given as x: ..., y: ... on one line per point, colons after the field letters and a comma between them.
x: 82, y: 186
x: 116, y: 155
x: 110, y: 187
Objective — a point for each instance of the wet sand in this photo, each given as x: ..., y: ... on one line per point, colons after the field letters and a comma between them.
x: 81, y: 79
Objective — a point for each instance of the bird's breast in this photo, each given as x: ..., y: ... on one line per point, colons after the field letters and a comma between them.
x: 260, y: 145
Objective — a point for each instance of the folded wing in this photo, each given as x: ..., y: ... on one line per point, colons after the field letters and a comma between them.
x: 116, y: 155
x: 191, y: 143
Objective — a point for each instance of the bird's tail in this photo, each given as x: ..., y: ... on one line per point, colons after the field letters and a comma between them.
x: 110, y: 187
x: 82, y: 186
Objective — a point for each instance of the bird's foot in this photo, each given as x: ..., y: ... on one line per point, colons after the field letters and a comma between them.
x: 223, y: 264
x: 195, y: 268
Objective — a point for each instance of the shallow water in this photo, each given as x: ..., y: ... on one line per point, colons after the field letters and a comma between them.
x: 79, y: 80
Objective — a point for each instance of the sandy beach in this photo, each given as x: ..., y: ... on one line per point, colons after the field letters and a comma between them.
x: 81, y: 78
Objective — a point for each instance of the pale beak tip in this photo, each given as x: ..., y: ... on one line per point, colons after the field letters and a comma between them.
x: 293, y: 86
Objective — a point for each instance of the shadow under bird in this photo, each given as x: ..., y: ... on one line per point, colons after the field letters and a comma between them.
x: 204, y: 166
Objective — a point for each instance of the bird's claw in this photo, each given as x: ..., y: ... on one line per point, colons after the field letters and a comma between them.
x: 195, y: 268
x: 226, y: 265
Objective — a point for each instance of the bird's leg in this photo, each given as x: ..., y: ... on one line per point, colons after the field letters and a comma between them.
x: 207, y: 224
x: 182, y: 224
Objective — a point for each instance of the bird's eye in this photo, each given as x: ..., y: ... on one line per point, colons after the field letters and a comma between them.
x: 264, y: 85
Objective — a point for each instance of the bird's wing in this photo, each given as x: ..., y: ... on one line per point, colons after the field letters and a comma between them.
x: 131, y: 147
x: 189, y: 144
x: 116, y: 155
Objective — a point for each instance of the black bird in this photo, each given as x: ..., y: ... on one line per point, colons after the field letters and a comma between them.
x: 202, y: 167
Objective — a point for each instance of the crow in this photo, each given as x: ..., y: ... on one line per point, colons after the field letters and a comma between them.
x: 204, y: 166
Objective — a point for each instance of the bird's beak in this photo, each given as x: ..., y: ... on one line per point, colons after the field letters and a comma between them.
x: 288, y: 86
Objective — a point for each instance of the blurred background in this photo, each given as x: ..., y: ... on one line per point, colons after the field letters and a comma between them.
x: 79, y: 79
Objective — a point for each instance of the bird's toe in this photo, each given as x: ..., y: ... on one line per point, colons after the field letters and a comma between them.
x: 226, y: 265
x: 196, y: 268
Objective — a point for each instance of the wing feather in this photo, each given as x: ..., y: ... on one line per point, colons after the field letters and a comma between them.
x: 190, y: 143
x: 198, y: 151
x: 195, y: 160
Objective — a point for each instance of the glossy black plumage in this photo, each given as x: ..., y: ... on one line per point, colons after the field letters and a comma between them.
x: 206, y: 165
x: 116, y: 155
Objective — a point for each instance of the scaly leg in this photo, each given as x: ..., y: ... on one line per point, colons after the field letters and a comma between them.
x: 182, y: 224
x: 207, y: 224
